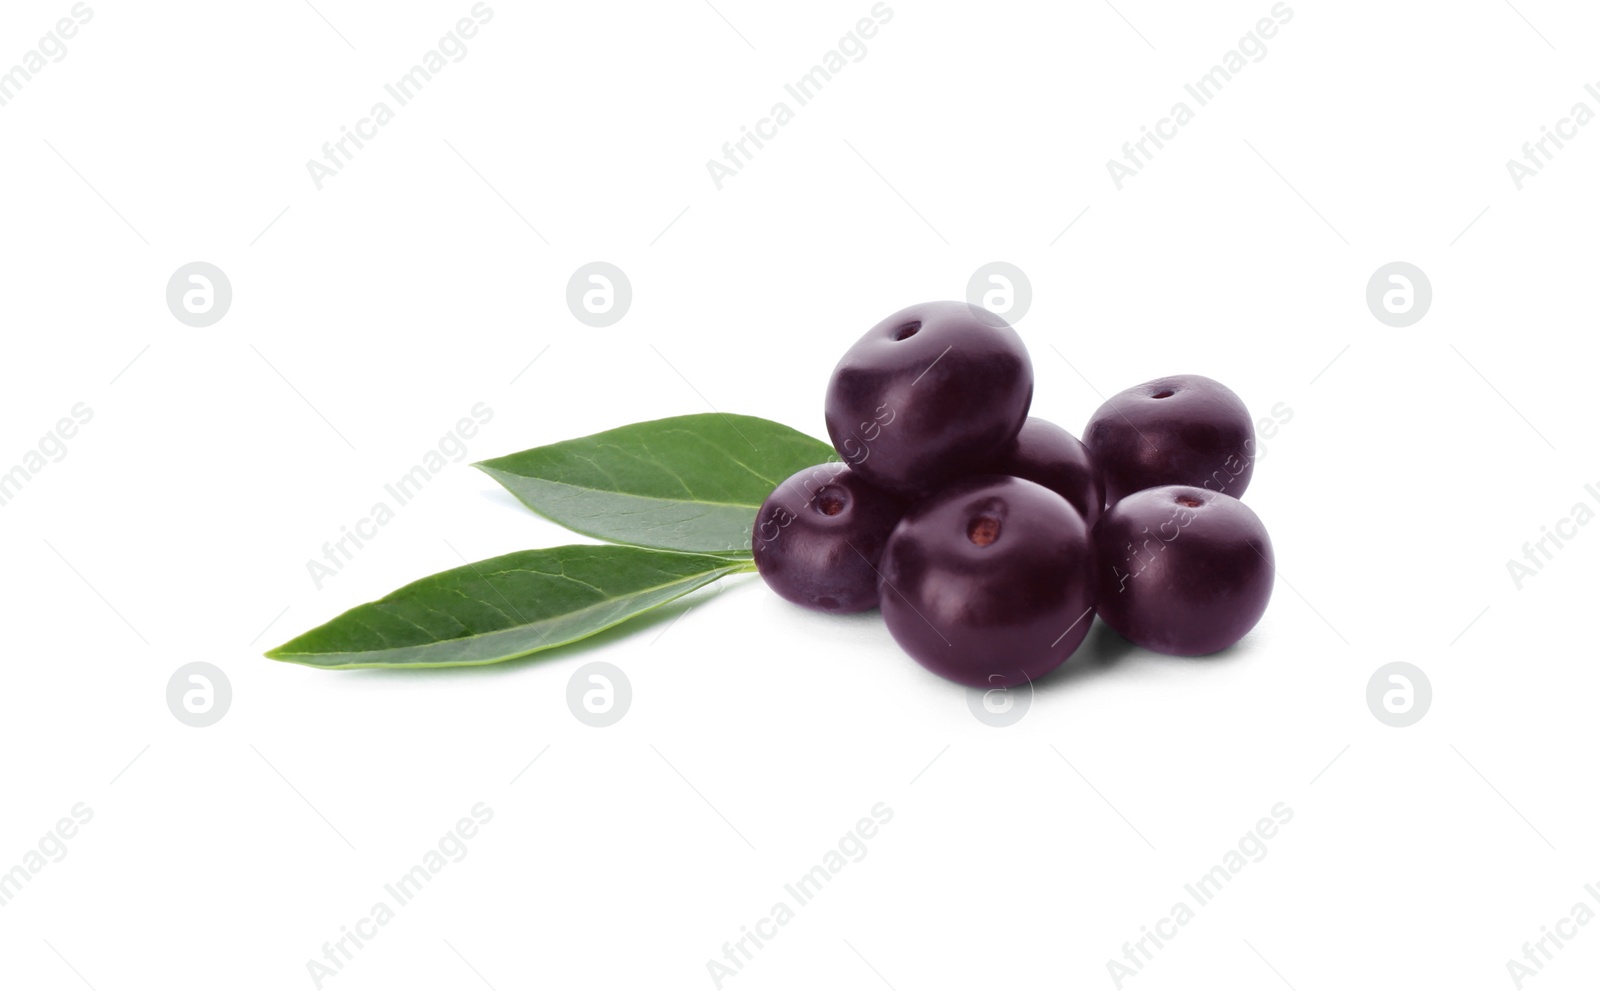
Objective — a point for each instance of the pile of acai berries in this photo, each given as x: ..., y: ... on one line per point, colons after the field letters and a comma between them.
x: 990, y: 539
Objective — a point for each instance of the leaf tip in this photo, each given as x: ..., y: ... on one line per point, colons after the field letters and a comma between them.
x: 490, y: 467
x: 286, y: 651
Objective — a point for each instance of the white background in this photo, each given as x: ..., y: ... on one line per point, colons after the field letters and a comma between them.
x: 376, y: 312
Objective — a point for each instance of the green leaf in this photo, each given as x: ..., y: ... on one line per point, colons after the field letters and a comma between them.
x: 687, y: 483
x: 505, y: 607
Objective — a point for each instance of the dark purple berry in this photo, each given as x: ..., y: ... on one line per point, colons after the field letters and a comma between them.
x: 932, y: 394
x: 989, y: 582
x: 1178, y: 430
x: 1045, y: 453
x: 818, y: 538
x: 1181, y: 569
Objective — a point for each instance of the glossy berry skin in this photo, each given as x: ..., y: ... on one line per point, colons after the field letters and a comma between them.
x: 1047, y: 454
x: 990, y: 582
x: 931, y: 394
x: 819, y: 535
x: 1178, y: 430
x: 1182, y: 570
